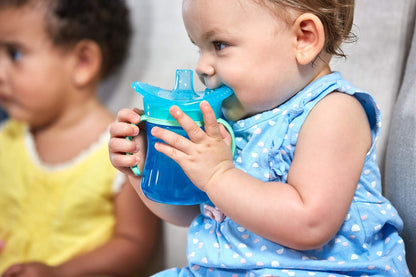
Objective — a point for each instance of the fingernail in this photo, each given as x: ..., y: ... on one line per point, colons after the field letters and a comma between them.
x: 136, y: 131
x: 154, y: 130
x: 135, y: 119
x: 175, y: 110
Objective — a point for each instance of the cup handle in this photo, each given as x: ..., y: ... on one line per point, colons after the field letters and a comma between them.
x: 135, y: 168
x: 230, y: 131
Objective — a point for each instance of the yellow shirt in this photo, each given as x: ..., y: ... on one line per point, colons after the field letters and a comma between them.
x: 52, y: 214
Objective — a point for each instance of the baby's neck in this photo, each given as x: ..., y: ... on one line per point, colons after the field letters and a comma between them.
x: 233, y: 110
x: 326, y: 69
x: 64, y: 139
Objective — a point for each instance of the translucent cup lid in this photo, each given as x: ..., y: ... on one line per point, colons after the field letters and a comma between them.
x: 157, y: 101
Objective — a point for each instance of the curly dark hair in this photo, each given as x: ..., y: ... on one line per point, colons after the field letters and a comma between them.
x: 107, y: 22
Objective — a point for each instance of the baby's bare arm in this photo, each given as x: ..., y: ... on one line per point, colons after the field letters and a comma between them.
x: 308, y: 210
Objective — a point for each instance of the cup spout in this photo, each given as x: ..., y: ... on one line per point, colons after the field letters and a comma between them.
x: 184, y: 85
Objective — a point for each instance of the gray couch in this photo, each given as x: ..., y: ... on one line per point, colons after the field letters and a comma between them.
x: 379, y: 63
x: 400, y: 166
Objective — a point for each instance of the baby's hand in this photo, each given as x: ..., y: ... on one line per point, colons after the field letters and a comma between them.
x: 119, y: 145
x: 33, y: 269
x: 206, y: 154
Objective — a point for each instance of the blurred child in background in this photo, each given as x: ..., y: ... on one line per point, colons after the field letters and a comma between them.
x: 64, y: 210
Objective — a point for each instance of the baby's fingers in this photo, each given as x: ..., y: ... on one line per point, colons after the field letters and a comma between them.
x: 130, y: 116
x: 194, y: 132
x: 121, y: 145
x: 174, y: 142
x: 210, y: 120
x: 125, y: 162
x: 123, y: 129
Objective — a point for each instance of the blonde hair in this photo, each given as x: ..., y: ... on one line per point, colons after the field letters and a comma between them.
x: 335, y: 15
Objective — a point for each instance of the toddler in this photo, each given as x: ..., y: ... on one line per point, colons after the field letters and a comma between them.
x: 64, y: 210
x: 302, y: 194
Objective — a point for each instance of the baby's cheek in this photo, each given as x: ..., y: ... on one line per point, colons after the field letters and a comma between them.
x: 232, y: 109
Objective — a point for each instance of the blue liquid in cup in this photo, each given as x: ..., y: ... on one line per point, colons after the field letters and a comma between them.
x: 163, y: 180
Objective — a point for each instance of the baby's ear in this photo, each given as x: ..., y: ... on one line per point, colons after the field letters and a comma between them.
x: 310, y: 38
x: 87, y: 62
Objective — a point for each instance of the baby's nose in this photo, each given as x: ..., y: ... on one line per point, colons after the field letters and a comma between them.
x: 204, y: 67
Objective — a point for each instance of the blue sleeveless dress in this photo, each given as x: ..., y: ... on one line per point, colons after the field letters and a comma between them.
x: 368, y: 243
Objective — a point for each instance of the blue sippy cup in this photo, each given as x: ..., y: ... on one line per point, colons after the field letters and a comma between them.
x: 163, y: 180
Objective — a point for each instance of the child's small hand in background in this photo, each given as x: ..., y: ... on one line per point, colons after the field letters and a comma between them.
x: 119, y: 145
x: 34, y: 269
x: 206, y: 154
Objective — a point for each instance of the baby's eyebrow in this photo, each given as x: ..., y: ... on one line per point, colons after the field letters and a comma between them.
x: 4, y: 44
x: 13, y: 45
x: 210, y: 33
x: 7, y: 43
x: 216, y: 33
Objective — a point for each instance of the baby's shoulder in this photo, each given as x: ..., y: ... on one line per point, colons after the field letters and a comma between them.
x: 339, y: 104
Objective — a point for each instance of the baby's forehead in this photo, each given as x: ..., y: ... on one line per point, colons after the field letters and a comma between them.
x: 22, y: 21
x: 25, y: 4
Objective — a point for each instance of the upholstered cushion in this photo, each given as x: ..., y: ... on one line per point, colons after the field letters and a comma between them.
x: 400, y: 170
x: 376, y: 61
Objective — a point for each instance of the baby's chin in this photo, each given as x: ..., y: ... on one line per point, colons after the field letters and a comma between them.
x: 232, y: 109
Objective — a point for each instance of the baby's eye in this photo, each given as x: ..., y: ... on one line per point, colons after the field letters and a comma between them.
x: 15, y: 54
x: 219, y: 45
